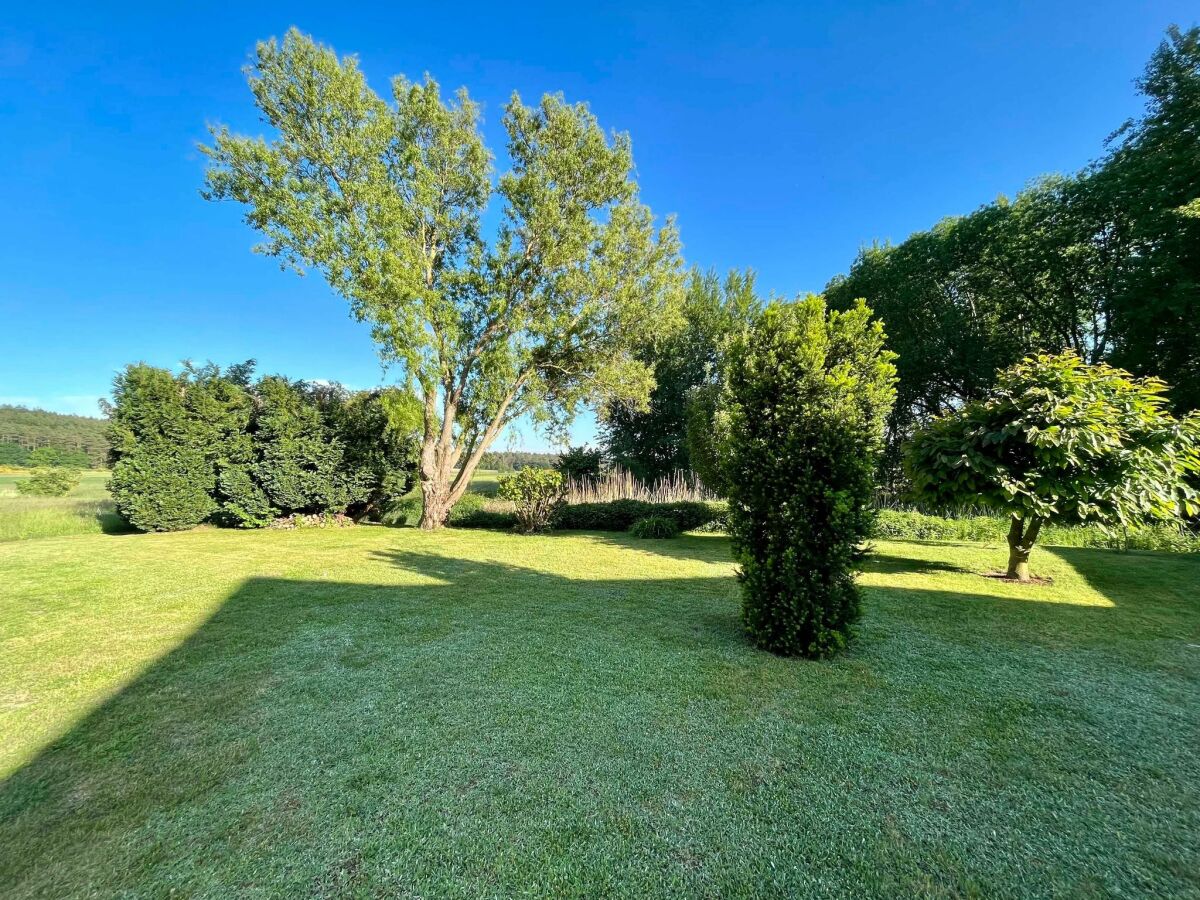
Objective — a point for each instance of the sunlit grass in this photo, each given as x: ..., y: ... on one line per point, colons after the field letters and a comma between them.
x: 378, y: 711
x: 86, y: 510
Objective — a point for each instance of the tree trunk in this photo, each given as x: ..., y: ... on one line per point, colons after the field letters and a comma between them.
x: 1018, y: 563
x: 1020, y: 542
x: 446, y: 469
x: 435, y: 502
x: 435, y: 480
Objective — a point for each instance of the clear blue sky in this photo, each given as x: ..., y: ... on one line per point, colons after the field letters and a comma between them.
x: 782, y: 135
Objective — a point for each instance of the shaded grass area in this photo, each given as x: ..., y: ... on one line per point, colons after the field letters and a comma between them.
x: 366, y: 711
x: 86, y: 510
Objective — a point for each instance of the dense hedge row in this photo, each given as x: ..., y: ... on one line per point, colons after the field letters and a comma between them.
x: 206, y: 446
x: 619, y: 515
x: 912, y: 525
x: 478, y: 511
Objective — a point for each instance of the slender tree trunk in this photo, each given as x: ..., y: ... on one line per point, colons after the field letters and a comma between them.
x: 435, y: 483
x: 1021, y: 538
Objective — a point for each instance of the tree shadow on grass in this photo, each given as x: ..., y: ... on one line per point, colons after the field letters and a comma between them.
x: 112, y: 523
x: 886, y: 563
x: 480, y: 728
x: 219, y: 768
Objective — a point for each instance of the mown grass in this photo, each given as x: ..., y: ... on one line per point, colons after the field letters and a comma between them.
x: 86, y: 510
x: 375, y: 711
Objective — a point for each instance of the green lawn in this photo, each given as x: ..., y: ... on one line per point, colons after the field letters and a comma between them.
x: 86, y: 510
x: 379, y: 711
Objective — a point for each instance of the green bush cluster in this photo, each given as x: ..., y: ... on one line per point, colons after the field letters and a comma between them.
x: 536, y: 494
x: 206, y: 446
x: 806, y: 400
x: 50, y: 482
x: 902, y: 524
x: 655, y: 527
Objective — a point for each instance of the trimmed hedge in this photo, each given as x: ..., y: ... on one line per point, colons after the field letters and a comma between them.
x: 479, y: 511
x: 619, y: 515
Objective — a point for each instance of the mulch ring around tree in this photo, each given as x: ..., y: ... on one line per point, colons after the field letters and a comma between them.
x: 1032, y: 579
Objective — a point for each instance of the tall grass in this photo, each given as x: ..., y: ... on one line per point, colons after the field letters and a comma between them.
x: 620, y: 484
x: 86, y: 510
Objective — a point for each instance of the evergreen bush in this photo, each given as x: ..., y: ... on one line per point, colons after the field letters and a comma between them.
x: 806, y: 400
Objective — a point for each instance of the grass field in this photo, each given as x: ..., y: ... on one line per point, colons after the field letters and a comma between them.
x: 86, y: 510
x: 89, y: 510
x: 379, y: 711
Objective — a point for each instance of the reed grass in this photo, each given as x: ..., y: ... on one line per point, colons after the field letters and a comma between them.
x: 621, y: 484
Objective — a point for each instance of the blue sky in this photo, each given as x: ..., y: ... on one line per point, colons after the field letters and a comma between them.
x: 783, y: 136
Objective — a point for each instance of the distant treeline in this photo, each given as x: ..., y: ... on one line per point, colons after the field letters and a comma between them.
x: 80, y: 439
x: 511, y: 460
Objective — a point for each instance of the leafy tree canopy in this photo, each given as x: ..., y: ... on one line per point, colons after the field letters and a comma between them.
x: 1062, y: 441
x: 386, y: 200
x: 23, y: 431
x: 1102, y: 262
x: 651, y: 441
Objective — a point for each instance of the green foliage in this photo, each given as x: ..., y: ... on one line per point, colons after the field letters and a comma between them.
x: 619, y: 515
x: 244, y: 502
x: 298, y: 460
x: 54, y: 456
x: 906, y: 524
x: 707, y: 433
x: 653, y: 442
x: 213, y: 445
x: 1064, y: 442
x: 388, y: 206
x: 29, y: 429
x: 512, y: 460
x: 157, y: 489
x: 655, y: 527
x: 1147, y: 194
x: 57, y: 481
x: 13, y: 455
x: 579, y: 463
x: 807, y: 397
x: 1102, y: 262
x: 167, y: 433
x: 538, y: 495
x: 481, y: 511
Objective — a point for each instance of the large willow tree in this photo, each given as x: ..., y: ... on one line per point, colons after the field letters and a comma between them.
x: 534, y: 316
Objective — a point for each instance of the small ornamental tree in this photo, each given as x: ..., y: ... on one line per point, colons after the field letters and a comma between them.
x: 805, y: 403
x: 538, y: 495
x: 1065, y: 442
x: 531, y: 313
